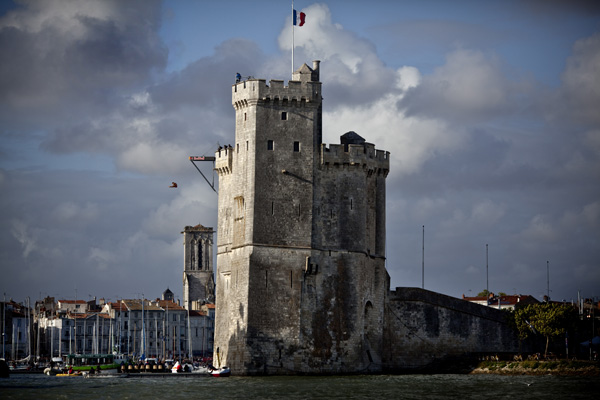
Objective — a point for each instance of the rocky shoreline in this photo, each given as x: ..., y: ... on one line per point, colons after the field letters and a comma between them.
x: 558, y: 367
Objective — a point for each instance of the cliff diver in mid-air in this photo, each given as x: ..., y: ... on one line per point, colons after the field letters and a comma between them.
x: 173, y: 185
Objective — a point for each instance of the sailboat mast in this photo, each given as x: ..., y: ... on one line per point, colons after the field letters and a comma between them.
x: 143, y: 347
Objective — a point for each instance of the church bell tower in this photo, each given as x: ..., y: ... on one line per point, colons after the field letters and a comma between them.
x: 198, y: 278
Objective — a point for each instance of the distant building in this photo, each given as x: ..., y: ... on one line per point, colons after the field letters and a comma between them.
x: 198, y: 272
x: 154, y: 328
x: 18, y: 334
x: 73, y: 306
x: 168, y: 295
x: 202, y: 332
x: 502, y: 302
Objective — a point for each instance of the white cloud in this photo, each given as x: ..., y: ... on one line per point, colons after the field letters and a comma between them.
x: 426, y: 207
x: 408, y: 78
x: 70, y: 211
x: 470, y: 86
x: 182, y: 210
x: 471, y: 218
x: 23, y: 235
x: 321, y: 39
x: 487, y: 213
x: 540, y: 229
x: 61, y: 15
x: 580, y: 92
x: 411, y: 141
x: 101, y: 258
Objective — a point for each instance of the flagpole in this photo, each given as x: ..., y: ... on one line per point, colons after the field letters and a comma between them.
x: 293, y: 37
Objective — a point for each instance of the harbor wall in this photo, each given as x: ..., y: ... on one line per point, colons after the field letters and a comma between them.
x: 424, y: 329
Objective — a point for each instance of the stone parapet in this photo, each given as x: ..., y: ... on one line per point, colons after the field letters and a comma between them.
x: 423, y: 329
x: 224, y: 160
x: 363, y: 155
x: 256, y: 91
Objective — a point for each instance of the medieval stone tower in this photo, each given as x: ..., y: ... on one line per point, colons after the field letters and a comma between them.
x: 301, y: 280
x: 198, y: 278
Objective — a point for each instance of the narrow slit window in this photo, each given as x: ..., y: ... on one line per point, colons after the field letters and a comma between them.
x: 284, y: 115
x: 270, y: 145
x: 245, y: 116
x: 272, y: 208
x: 296, y: 147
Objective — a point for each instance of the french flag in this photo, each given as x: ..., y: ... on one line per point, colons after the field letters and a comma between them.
x: 299, y: 18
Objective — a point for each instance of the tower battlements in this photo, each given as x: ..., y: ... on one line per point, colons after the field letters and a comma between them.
x: 224, y: 160
x: 255, y: 91
x: 361, y: 155
x: 303, y: 89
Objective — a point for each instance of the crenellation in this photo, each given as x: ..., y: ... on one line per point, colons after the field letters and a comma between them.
x: 364, y: 155
x: 256, y: 90
x: 224, y: 160
x: 276, y: 85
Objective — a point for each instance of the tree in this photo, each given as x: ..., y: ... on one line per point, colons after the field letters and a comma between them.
x: 547, y: 319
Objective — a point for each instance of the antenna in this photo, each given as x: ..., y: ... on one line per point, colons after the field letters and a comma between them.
x: 423, y: 261
x: 548, y: 278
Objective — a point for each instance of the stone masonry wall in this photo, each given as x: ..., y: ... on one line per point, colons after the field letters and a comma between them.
x: 423, y: 328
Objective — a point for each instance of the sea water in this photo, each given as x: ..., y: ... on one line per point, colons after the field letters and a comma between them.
x: 373, y: 387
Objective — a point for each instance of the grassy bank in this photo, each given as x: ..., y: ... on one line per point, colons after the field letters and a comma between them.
x: 558, y: 367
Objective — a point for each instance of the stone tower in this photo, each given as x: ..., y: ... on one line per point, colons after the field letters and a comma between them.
x: 301, y: 280
x: 198, y: 278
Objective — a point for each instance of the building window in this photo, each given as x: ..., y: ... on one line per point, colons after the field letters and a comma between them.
x: 270, y: 145
x: 284, y: 116
x: 245, y: 117
x: 296, y: 147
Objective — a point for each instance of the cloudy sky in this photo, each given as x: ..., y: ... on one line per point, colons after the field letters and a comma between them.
x: 490, y: 111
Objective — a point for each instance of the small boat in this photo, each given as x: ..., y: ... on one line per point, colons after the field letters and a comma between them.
x: 55, y: 367
x: 101, y: 363
x: 76, y: 373
x: 200, y: 369
x: 177, y: 368
x: 52, y: 371
x: 221, y: 372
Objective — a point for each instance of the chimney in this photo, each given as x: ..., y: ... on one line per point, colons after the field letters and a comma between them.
x: 315, y: 74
